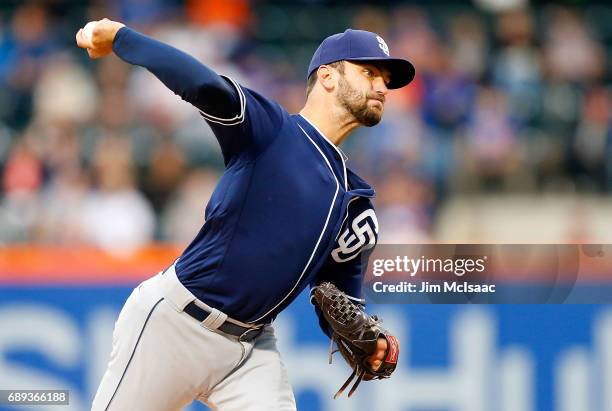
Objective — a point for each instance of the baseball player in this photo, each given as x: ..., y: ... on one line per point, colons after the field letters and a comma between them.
x: 287, y: 213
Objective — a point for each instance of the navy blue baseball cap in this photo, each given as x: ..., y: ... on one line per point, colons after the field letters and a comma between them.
x: 360, y: 45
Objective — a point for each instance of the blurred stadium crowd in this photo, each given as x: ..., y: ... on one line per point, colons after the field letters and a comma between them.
x: 101, y: 153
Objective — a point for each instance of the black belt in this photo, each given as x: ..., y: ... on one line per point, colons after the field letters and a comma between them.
x: 243, y: 333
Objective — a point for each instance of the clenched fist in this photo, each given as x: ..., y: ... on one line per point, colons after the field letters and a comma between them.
x: 98, y: 37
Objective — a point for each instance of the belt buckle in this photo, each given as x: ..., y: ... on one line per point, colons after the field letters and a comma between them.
x: 250, y: 334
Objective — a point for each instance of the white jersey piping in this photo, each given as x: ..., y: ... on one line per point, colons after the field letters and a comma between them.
x: 314, y: 251
x: 234, y: 120
x: 340, y: 153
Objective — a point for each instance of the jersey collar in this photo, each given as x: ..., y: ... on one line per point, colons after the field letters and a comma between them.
x: 343, y: 157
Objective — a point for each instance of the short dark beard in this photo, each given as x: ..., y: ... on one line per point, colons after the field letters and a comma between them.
x: 357, y: 104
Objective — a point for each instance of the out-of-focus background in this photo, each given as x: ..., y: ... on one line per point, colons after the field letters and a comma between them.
x: 504, y: 136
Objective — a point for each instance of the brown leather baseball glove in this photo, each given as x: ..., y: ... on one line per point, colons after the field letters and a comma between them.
x: 356, y: 334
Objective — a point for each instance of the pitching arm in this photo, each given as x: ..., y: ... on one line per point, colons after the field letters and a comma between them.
x: 242, y: 120
x: 193, y: 81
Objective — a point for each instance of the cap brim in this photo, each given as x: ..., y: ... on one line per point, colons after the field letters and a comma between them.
x: 402, y: 71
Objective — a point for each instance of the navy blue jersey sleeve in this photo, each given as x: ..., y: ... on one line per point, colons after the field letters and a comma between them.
x: 259, y: 123
x: 348, y: 277
x: 181, y: 73
x: 242, y: 120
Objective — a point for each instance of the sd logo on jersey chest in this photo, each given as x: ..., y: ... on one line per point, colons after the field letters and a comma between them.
x: 359, y: 231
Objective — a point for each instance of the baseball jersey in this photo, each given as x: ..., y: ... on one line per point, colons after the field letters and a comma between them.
x: 286, y: 213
